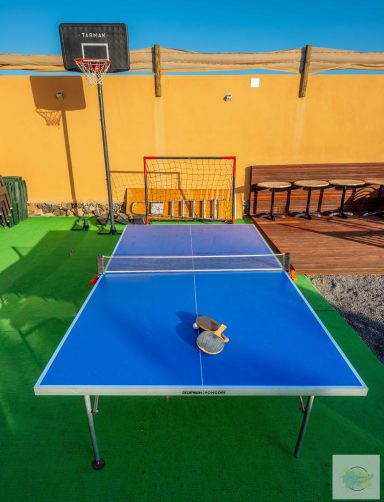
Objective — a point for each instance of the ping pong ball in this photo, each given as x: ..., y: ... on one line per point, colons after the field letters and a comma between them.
x: 195, y: 326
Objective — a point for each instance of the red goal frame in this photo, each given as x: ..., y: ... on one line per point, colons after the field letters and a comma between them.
x: 146, y: 185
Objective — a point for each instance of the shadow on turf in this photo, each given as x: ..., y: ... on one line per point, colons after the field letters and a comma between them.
x: 41, y: 293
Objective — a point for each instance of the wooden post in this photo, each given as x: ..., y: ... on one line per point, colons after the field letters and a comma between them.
x: 157, y: 69
x: 305, y: 71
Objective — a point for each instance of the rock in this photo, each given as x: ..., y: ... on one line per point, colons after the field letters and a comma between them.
x: 37, y: 212
x: 72, y: 208
x: 48, y: 208
x: 32, y: 208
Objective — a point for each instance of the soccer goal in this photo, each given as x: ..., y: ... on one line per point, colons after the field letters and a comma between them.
x: 190, y: 188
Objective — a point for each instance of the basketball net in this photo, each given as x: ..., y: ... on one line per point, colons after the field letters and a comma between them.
x: 93, y: 69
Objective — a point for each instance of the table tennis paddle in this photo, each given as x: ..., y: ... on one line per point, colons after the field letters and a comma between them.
x: 212, y: 342
x: 209, y: 324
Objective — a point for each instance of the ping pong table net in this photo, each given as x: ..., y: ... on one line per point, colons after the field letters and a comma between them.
x: 184, y: 264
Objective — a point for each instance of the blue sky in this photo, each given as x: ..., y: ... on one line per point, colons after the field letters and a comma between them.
x: 31, y: 26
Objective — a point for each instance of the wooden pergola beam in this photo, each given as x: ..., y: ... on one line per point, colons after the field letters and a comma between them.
x: 305, y: 71
x: 157, y: 69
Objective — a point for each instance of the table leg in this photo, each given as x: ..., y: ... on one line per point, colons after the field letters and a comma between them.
x: 307, y: 209
x: 307, y: 213
x: 379, y: 196
x: 343, y: 214
x: 95, y: 407
x: 342, y: 200
x: 272, y: 216
x: 304, y: 424
x: 98, y: 463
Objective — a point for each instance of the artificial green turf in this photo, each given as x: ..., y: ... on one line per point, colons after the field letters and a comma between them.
x: 182, y: 449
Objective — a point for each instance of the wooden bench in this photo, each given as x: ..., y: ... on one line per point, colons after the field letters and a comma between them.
x: 358, y: 200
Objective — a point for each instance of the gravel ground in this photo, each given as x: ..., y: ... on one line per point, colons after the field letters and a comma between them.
x: 360, y: 300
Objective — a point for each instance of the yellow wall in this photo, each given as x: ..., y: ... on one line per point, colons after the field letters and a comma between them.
x: 340, y: 120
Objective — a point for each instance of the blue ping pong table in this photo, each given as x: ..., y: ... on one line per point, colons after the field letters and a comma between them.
x: 134, y: 334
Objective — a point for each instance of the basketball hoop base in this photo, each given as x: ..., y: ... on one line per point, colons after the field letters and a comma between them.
x: 103, y: 222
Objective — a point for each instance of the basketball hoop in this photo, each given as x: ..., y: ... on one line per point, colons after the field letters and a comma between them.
x: 93, y: 69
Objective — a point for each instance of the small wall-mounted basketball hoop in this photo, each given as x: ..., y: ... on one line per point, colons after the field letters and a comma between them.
x: 93, y: 69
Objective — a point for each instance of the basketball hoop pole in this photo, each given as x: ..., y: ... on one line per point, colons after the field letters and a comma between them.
x: 94, y: 60
x: 106, y: 158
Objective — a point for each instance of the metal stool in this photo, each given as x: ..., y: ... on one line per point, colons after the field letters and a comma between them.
x: 273, y: 186
x: 344, y: 183
x: 309, y: 185
x: 380, y: 183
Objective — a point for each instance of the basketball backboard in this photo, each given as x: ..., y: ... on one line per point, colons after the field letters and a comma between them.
x: 94, y: 40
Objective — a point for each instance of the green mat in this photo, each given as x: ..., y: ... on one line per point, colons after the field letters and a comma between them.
x: 182, y: 449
